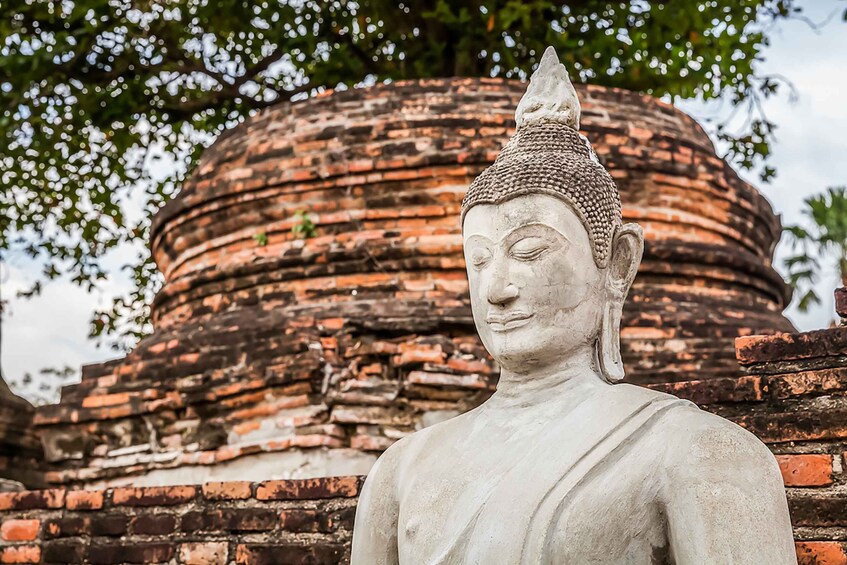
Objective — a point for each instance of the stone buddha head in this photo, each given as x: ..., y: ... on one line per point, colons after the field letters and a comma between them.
x: 549, y: 259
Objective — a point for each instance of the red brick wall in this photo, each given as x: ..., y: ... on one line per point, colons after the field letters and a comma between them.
x: 275, y: 522
x: 295, y: 521
x: 800, y: 410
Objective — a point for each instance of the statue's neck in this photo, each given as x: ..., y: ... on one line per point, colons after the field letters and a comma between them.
x: 568, y: 379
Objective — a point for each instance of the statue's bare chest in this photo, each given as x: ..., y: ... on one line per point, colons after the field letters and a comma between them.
x: 441, y: 504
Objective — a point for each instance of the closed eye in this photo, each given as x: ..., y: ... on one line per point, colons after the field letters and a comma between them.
x: 528, y: 249
x: 480, y: 257
x: 529, y: 255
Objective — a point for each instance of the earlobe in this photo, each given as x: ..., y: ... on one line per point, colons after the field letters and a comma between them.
x: 627, y: 248
x: 609, y: 344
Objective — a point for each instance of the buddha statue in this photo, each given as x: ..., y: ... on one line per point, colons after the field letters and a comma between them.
x: 564, y: 463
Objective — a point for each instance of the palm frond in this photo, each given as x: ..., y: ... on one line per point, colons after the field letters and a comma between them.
x: 809, y: 298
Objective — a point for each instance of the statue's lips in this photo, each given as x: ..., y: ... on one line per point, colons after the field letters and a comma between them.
x: 508, y: 322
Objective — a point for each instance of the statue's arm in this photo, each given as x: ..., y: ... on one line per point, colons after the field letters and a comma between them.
x: 375, y: 528
x: 724, y: 498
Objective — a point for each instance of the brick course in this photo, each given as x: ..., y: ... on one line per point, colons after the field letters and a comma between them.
x: 311, y: 523
x: 311, y: 526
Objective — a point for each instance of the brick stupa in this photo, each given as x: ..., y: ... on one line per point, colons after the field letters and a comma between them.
x: 304, y: 352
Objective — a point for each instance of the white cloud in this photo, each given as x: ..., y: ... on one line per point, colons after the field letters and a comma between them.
x: 51, y: 329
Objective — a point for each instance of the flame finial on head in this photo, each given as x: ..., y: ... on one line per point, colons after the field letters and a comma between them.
x: 547, y: 155
x: 550, y: 95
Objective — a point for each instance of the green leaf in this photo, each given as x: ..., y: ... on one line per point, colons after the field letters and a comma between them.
x: 807, y: 300
x: 823, y: 239
x: 261, y: 239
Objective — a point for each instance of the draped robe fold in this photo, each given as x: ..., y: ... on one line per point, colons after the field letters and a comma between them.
x: 550, y: 474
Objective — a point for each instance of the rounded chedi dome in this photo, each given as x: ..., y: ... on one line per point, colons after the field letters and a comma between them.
x: 381, y: 172
x: 315, y: 306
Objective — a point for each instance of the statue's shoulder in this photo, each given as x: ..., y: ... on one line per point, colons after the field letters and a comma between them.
x: 691, y: 439
x: 696, y: 442
x: 706, y: 433
x: 383, y: 476
x: 634, y: 394
x: 707, y: 468
x: 394, y: 459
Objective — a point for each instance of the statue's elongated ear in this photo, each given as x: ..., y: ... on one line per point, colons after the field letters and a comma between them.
x: 627, y: 248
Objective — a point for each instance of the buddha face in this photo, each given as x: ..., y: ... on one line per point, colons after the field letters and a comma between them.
x: 536, y: 293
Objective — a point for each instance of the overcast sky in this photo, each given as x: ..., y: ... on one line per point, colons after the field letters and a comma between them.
x: 51, y: 330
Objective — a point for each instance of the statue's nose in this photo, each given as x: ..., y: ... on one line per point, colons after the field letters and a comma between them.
x: 502, y: 293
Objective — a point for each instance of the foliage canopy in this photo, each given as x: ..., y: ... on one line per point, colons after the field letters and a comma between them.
x: 824, y: 240
x: 92, y: 92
